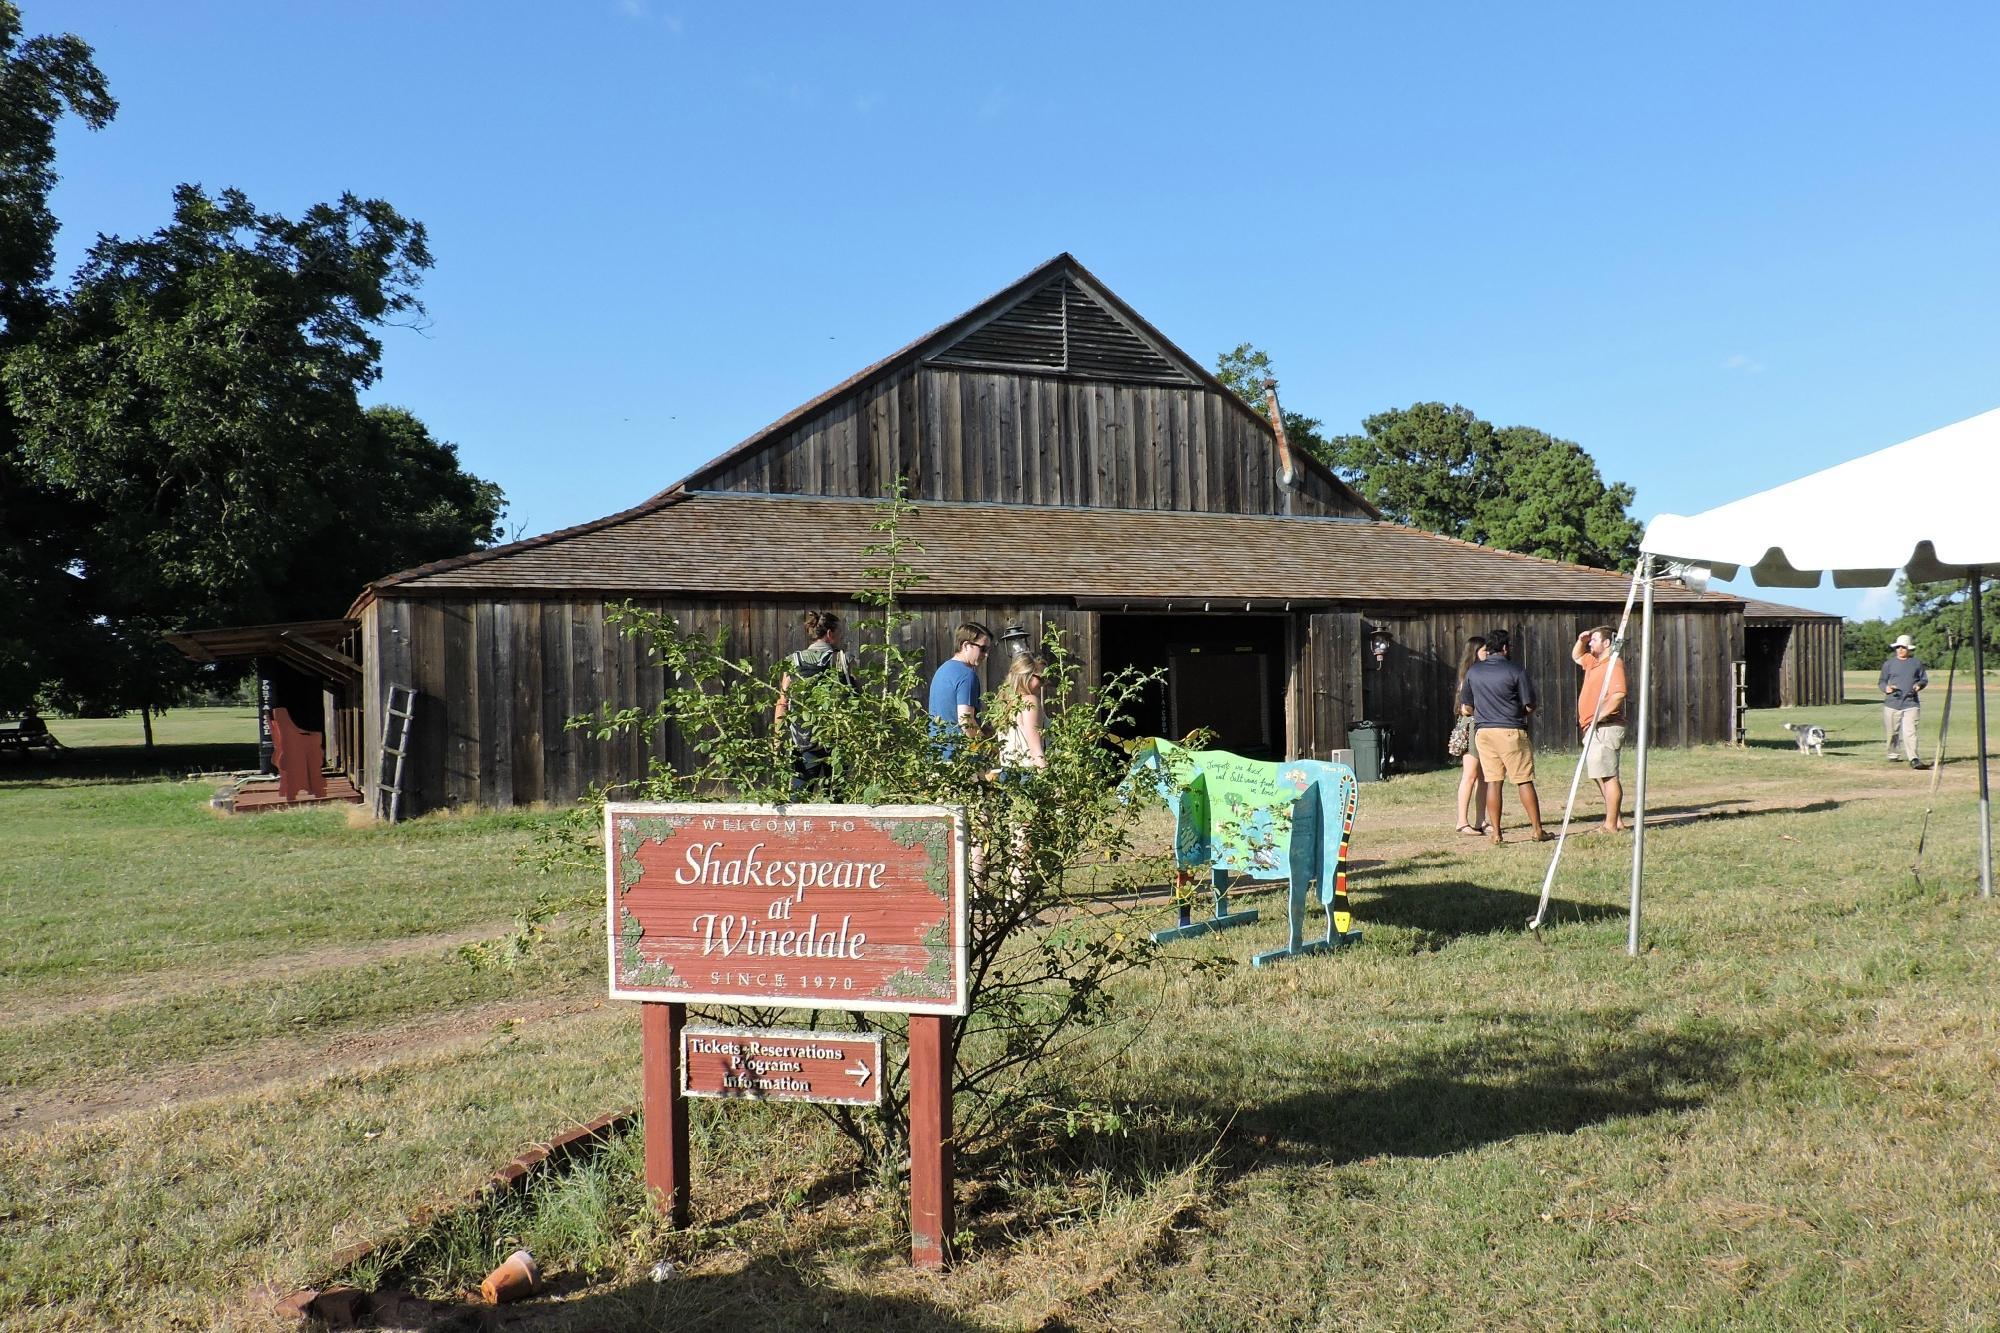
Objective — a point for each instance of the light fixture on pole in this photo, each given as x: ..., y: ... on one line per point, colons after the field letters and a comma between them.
x: 1379, y: 640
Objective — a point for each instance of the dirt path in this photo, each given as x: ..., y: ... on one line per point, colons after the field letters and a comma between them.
x: 281, y: 1060
x: 165, y: 985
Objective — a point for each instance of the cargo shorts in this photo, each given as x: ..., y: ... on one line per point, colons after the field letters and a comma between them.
x: 1505, y: 753
x: 1601, y: 760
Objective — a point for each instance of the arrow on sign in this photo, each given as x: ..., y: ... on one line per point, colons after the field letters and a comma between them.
x: 860, y: 1071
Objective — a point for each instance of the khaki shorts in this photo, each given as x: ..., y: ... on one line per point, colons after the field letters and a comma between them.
x: 1602, y: 759
x: 1505, y: 752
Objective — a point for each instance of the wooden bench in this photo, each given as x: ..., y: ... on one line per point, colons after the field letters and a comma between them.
x: 29, y: 733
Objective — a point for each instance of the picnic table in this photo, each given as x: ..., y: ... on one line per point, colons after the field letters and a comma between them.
x: 25, y: 734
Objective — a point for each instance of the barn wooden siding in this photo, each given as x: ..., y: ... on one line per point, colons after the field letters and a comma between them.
x: 1013, y: 438
x: 1694, y: 648
x: 499, y: 678
x: 1809, y: 674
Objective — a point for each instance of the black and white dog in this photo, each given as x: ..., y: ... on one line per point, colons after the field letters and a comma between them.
x: 1811, y: 739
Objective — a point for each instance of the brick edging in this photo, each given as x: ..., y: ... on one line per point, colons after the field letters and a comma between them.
x: 342, y: 1306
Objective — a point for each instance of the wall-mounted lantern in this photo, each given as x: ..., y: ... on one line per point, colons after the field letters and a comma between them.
x: 1379, y: 640
x: 1015, y: 636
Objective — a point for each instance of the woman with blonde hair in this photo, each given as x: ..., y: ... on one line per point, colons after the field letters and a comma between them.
x: 1021, y: 702
x: 1471, y: 786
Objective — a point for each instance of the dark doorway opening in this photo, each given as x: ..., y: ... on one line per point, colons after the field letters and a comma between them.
x: 1223, y: 672
x: 1764, y: 658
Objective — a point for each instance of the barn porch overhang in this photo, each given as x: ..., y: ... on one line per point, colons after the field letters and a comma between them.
x: 314, y: 647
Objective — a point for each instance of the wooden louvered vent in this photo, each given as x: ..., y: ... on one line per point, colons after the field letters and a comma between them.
x: 1062, y: 329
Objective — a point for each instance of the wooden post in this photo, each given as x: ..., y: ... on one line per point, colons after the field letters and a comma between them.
x: 666, y: 1109
x: 931, y: 1220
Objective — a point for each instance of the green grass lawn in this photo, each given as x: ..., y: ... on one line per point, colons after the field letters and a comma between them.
x: 238, y: 1044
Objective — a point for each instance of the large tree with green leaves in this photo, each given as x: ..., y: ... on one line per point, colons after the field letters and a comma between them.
x: 1864, y: 644
x: 44, y: 627
x: 1445, y: 469
x: 199, y: 390
x: 1937, y: 615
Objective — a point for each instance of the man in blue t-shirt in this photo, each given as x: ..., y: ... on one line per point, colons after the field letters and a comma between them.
x: 955, y: 688
x: 1502, y: 698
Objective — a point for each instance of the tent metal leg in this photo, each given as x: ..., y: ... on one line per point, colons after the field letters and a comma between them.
x: 1646, y: 565
x: 1541, y: 916
x: 1979, y: 712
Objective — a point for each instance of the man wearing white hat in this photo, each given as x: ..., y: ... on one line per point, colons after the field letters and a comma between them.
x: 1903, y: 675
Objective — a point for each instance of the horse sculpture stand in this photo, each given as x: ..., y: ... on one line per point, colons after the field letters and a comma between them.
x: 1264, y: 821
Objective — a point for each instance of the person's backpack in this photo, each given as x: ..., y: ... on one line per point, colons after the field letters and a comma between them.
x: 808, y: 668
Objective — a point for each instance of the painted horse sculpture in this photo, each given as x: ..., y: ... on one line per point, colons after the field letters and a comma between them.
x: 1232, y: 815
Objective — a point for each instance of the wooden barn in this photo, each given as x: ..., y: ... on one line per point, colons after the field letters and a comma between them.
x: 1073, y: 468
x: 1791, y: 656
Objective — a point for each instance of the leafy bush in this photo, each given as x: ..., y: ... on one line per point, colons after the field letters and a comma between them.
x: 1043, y: 954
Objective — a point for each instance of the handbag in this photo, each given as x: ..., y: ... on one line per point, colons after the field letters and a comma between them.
x: 1461, y: 738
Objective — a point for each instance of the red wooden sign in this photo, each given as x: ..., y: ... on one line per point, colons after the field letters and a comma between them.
x: 779, y: 1065
x: 796, y: 906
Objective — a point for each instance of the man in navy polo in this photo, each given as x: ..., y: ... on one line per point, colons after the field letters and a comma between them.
x: 1502, y: 697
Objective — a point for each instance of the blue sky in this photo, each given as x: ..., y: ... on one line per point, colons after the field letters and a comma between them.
x: 1720, y: 246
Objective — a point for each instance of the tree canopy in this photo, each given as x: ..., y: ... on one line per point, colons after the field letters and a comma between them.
x: 44, y: 628
x: 1445, y: 469
x: 182, y: 440
x: 1937, y: 614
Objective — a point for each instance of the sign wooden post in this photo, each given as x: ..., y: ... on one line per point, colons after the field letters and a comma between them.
x: 791, y: 907
x: 666, y: 1109
x: 931, y: 1220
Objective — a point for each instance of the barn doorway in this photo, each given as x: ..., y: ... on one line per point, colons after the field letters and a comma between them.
x: 1764, y: 649
x: 1223, y: 672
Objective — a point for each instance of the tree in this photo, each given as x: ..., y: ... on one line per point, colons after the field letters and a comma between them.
x: 1444, y: 469
x: 42, y: 624
x: 1864, y: 644
x: 1430, y: 466
x: 1243, y: 370
x: 1552, y: 502
x: 41, y: 79
x: 1936, y: 614
x: 199, y: 391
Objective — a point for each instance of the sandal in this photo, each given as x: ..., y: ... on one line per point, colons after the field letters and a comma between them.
x: 1471, y: 832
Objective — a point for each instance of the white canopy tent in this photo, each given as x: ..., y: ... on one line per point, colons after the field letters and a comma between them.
x: 1928, y: 507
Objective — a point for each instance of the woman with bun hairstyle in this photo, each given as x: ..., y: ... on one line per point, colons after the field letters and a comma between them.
x: 821, y: 659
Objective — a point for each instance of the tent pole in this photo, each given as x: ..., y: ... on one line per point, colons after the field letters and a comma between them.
x: 1555, y: 858
x: 1645, y: 732
x: 1979, y: 712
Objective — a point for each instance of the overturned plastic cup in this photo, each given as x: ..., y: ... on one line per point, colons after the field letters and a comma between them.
x: 515, y: 1278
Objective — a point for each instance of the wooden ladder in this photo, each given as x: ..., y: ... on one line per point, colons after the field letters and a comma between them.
x: 1739, y: 708
x: 395, y: 745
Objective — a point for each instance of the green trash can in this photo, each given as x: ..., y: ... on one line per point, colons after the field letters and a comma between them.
x: 1373, y: 754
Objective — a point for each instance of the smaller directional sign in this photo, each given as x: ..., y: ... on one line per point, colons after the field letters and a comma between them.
x: 780, y: 1065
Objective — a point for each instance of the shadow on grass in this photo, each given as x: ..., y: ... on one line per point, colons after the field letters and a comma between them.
x: 1524, y: 1074
x: 1833, y: 746
x: 123, y: 763
x: 773, y: 1290
x: 1526, y: 1077
x: 1443, y: 912
x: 1669, y: 816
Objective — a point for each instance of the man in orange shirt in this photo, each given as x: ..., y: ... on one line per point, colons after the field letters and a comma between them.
x: 1602, y: 698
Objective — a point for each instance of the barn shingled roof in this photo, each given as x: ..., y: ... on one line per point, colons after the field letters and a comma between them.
x: 1757, y: 609
x: 714, y: 543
